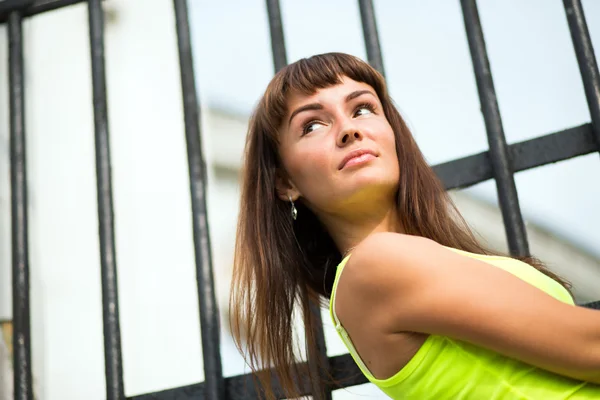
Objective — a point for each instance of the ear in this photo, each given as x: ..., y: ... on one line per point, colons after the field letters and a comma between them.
x: 285, y: 188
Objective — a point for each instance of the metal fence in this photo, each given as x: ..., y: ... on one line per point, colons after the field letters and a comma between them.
x: 500, y: 163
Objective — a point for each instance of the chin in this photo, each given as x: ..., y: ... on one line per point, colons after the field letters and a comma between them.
x: 371, y: 183
x: 373, y: 176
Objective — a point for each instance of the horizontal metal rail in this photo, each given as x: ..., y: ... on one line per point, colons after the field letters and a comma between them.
x: 343, y: 369
x: 32, y: 7
x: 543, y: 150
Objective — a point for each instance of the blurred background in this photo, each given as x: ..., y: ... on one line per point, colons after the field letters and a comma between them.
x: 429, y: 72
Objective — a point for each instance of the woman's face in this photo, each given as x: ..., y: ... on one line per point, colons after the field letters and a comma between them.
x: 338, y: 148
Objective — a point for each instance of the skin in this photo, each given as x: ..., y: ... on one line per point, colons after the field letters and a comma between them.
x: 356, y: 200
x: 397, y: 289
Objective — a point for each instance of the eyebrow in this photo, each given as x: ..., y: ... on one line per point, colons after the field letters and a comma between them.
x: 317, y: 106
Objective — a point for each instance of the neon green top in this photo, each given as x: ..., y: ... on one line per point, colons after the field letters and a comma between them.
x: 445, y: 368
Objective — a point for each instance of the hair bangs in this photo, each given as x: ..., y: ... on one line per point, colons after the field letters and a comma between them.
x: 308, y: 75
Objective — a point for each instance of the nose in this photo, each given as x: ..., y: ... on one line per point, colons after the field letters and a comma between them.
x: 348, y: 135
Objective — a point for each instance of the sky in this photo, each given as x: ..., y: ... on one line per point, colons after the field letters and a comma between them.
x: 430, y: 76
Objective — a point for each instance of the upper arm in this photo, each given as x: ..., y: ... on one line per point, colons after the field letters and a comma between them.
x: 411, y: 284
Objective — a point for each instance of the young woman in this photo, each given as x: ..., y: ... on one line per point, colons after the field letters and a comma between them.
x: 338, y: 203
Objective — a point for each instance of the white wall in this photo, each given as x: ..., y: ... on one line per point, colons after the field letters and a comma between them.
x: 153, y: 226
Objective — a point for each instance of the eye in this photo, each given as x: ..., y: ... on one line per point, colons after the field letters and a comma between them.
x: 310, y: 126
x: 364, y: 109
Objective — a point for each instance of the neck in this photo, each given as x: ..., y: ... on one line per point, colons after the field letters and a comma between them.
x: 348, y: 230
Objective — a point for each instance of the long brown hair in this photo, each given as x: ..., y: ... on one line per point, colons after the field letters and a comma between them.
x: 280, y: 263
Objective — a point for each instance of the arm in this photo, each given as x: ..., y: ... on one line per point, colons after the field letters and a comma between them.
x: 411, y: 284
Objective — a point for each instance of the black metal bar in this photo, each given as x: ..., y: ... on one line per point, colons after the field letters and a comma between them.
x: 20, y: 243
x: 40, y: 6
x: 319, y: 366
x: 280, y: 61
x: 8, y: 6
x: 344, y: 370
x: 555, y: 147
x: 277, y: 37
x: 209, y: 314
x: 586, y: 60
x: 32, y: 7
x: 108, y: 264
x: 372, y: 44
x: 499, y: 156
x: 595, y: 305
x: 188, y: 392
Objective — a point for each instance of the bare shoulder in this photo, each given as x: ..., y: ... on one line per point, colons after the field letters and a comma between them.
x: 389, y: 244
x: 385, y: 253
x: 382, y: 266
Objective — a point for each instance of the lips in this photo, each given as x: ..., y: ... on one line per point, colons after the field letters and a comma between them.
x: 355, y: 154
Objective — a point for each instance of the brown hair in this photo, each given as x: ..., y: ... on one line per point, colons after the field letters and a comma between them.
x: 280, y: 263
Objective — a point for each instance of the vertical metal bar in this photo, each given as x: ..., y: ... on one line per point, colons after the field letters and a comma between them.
x: 20, y: 244
x: 322, y: 362
x: 280, y: 61
x: 369, y: 25
x: 501, y: 163
x: 586, y: 60
x: 108, y: 264
x: 209, y: 316
x: 277, y: 38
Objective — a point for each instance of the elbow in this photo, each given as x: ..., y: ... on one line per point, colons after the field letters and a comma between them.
x: 581, y: 374
x: 592, y: 351
x: 578, y: 357
x: 587, y: 365
x: 592, y: 371
x: 592, y: 376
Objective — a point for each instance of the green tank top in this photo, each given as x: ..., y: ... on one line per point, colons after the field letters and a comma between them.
x: 445, y: 368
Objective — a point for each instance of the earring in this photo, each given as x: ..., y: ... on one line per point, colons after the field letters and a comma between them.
x: 294, y: 210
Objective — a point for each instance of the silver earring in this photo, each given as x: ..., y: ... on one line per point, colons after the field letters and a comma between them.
x: 294, y: 210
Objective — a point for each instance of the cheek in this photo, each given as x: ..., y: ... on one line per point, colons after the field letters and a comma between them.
x: 387, y: 142
x: 309, y: 167
x: 383, y: 134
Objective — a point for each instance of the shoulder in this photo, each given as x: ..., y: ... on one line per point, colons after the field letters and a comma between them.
x: 381, y: 254
x: 383, y: 268
x: 387, y: 241
x: 400, y: 279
